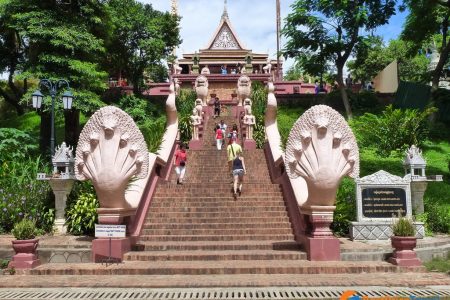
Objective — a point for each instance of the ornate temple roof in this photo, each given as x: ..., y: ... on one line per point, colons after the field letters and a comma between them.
x: 225, y: 38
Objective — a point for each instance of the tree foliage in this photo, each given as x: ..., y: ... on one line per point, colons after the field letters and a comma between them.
x: 372, y: 57
x: 427, y: 18
x: 141, y: 38
x: 329, y: 30
x: 48, y: 39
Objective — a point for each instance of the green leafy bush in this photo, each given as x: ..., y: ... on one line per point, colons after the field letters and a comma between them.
x: 25, y: 229
x: 4, y: 263
x: 82, y: 216
x: 345, y: 211
x: 365, y: 101
x: 403, y: 226
x: 153, y: 132
x: 21, y: 194
x: 393, y: 130
x: 16, y: 144
x: 185, y: 104
x: 286, y: 117
x: 259, y: 103
x: 149, y: 117
x: 438, y: 217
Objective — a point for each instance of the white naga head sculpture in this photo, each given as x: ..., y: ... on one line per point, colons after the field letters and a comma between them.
x: 201, y: 88
x: 322, y: 149
x: 111, y: 150
x: 244, y: 88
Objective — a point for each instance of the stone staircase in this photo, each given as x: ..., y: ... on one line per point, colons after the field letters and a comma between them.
x: 200, y: 224
x: 199, y: 229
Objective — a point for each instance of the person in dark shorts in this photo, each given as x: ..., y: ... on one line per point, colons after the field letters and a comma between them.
x: 238, y: 174
x: 216, y: 107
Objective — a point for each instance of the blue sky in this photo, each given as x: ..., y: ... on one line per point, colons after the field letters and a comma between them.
x: 253, y: 20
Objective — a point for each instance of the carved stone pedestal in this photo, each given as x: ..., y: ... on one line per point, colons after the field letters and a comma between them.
x: 104, y: 248
x: 418, y: 189
x: 249, y: 68
x: 61, y: 188
x: 114, y: 248
x: 115, y: 216
x: 319, y: 242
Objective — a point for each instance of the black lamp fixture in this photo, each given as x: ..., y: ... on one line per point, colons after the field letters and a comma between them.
x: 67, y: 99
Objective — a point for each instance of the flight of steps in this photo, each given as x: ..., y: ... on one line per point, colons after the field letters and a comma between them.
x: 199, y: 229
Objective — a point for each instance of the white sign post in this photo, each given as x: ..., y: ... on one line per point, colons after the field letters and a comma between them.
x: 110, y: 231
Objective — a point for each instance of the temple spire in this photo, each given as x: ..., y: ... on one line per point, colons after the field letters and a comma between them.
x: 225, y: 12
x: 174, y: 7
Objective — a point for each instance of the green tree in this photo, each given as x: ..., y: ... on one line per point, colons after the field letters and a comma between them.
x: 372, y: 57
x: 330, y: 30
x: 427, y: 18
x: 56, y: 40
x: 142, y: 37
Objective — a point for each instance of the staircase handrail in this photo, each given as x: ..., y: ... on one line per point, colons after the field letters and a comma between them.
x: 295, y: 191
x: 160, y: 163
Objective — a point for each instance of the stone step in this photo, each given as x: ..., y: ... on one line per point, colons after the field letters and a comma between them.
x: 237, y: 208
x: 222, y: 194
x: 223, y: 215
x: 247, y: 201
x: 218, y: 245
x: 246, y: 197
x: 232, y: 237
x: 222, y: 267
x: 220, y: 231
x: 223, y: 255
x: 242, y: 220
x: 203, y: 226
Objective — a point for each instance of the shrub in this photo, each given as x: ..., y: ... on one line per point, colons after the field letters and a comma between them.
x: 21, y: 194
x: 393, y: 130
x: 365, y: 101
x: 286, y: 117
x: 259, y: 102
x: 16, y: 144
x: 185, y: 104
x: 25, y: 229
x: 438, y: 217
x: 153, y: 132
x: 81, y: 211
x: 403, y: 226
x: 345, y: 211
x: 82, y: 216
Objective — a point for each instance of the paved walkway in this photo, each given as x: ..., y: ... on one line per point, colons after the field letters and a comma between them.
x: 243, y: 280
x: 412, y: 280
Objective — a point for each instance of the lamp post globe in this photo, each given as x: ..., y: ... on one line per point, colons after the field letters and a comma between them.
x: 36, y: 99
x: 67, y: 99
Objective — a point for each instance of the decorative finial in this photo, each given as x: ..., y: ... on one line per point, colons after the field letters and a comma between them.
x: 174, y: 7
x: 225, y: 12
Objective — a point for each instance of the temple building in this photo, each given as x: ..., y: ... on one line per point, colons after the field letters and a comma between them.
x: 223, y: 61
x: 226, y: 54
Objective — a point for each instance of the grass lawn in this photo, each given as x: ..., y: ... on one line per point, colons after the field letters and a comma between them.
x: 439, y: 265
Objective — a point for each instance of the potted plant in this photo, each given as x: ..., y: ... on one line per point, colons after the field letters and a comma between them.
x: 404, y: 241
x: 25, y: 245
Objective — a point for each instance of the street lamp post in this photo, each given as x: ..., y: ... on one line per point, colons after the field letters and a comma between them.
x: 61, y: 181
x: 67, y: 99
